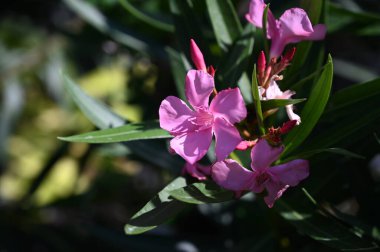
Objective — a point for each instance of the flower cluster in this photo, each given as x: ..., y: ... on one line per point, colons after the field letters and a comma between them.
x: 218, y: 113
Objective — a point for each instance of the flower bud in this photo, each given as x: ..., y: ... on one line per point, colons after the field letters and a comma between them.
x: 197, y: 56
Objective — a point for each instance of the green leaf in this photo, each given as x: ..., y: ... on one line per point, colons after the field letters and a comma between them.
x: 128, y: 38
x: 312, y: 110
x: 257, y: 102
x: 125, y: 133
x: 158, y: 210
x: 310, y: 153
x: 353, y: 71
x: 179, y: 66
x: 98, y: 113
x: 201, y: 193
x: 322, y: 228
x: 154, y: 22
x: 233, y: 64
x: 276, y: 103
x: 265, y: 31
x: 225, y: 22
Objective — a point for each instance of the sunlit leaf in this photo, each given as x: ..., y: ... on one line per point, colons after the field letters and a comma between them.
x: 125, y: 133
x: 158, y: 210
x: 257, y: 102
x: 201, y: 193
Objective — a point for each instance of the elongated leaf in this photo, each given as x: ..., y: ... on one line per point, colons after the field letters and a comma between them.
x: 339, y: 151
x: 179, y: 66
x: 276, y: 103
x: 234, y: 63
x: 322, y: 228
x: 225, y: 22
x: 202, y: 193
x: 100, y: 115
x: 125, y: 133
x: 257, y: 102
x: 158, y: 210
x: 160, y: 24
x: 128, y: 38
x: 313, y: 109
x: 97, y: 112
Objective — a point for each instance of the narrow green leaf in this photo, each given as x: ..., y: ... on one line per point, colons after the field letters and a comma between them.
x: 310, y: 153
x: 125, y: 133
x: 234, y: 63
x: 179, y: 66
x: 265, y: 31
x: 158, y: 210
x: 225, y: 22
x: 257, y: 102
x: 98, y: 113
x: 154, y: 22
x: 128, y: 38
x: 324, y: 229
x: 276, y: 103
x: 201, y: 193
x: 312, y: 110
x: 353, y: 71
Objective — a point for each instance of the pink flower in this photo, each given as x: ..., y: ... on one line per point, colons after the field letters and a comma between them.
x: 193, y: 129
x: 197, y: 171
x: 275, y: 180
x: 293, y: 26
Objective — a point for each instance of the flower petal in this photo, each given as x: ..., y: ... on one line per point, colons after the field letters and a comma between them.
x: 263, y: 155
x: 197, y: 171
x: 231, y: 175
x: 192, y: 146
x: 230, y: 105
x: 255, y: 16
x: 290, y: 173
x: 175, y: 116
x: 319, y: 32
x: 292, y: 116
x: 227, y: 138
x: 274, y: 192
x: 295, y: 22
x: 199, y: 86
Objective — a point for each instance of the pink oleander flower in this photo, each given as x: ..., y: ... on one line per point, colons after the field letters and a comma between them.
x: 275, y: 180
x: 274, y: 92
x: 197, y: 171
x: 193, y: 128
x: 292, y: 27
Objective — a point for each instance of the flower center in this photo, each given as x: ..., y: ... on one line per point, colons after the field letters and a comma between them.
x: 262, y: 178
x: 204, y: 119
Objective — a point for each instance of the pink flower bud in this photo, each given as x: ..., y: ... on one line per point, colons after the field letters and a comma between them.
x: 261, y: 63
x: 197, y: 56
x: 211, y: 71
x: 289, y: 55
x: 288, y: 126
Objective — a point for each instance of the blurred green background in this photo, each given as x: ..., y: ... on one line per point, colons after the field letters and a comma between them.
x: 59, y: 196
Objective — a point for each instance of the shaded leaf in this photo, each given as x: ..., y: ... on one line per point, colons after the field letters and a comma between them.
x: 312, y: 110
x: 179, y: 66
x: 225, y: 22
x: 339, y: 151
x: 158, y: 210
x: 276, y: 103
x: 257, y: 102
x: 202, y: 192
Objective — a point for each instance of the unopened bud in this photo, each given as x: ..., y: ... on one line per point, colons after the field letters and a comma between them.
x: 288, y: 126
x: 289, y: 55
x: 261, y: 63
x: 197, y: 56
x: 211, y: 70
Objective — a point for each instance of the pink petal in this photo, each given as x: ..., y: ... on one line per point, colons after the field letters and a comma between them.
x: 198, y: 87
x: 274, y: 192
x: 197, y: 56
x: 197, y: 171
x: 227, y: 138
x: 255, y: 16
x: 295, y: 22
x: 290, y: 173
x: 175, y: 116
x: 263, y: 155
x: 319, y: 32
x: 230, y: 105
x: 273, y: 91
x: 192, y: 146
x: 231, y: 175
